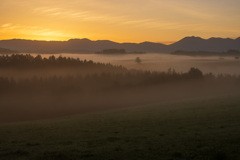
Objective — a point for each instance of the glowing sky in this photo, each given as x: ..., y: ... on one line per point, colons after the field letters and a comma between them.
x: 119, y: 20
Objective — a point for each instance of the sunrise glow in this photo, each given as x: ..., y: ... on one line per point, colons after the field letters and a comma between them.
x: 121, y: 21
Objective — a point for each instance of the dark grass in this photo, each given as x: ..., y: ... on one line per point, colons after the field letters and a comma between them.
x: 197, y: 130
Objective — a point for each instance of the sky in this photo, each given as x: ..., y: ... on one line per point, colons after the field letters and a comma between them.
x: 163, y: 21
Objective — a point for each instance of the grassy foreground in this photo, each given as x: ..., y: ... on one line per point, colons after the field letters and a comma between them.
x: 202, y: 130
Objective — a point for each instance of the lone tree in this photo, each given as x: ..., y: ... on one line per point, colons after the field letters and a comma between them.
x: 195, y: 73
x: 138, y: 60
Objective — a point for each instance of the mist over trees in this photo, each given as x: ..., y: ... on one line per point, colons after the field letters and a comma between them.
x: 99, y: 76
x: 36, y: 87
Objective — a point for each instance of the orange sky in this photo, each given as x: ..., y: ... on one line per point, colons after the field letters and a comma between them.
x: 120, y: 21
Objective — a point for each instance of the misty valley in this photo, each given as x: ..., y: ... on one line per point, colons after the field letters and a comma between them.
x: 121, y: 101
x: 119, y: 80
x: 61, y: 85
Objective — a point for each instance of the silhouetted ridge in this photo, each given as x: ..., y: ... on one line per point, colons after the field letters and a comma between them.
x: 237, y: 39
x: 191, y: 38
x: 189, y: 41
x: 85, y: 40
x: 207, y: 45
x: 89, y: 46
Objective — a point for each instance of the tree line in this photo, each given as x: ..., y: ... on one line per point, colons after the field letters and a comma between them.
x: 27, y: 60
x: 105, y: 81
x: 104, y: 77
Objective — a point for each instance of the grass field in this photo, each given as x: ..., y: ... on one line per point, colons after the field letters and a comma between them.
x: 193, y: 130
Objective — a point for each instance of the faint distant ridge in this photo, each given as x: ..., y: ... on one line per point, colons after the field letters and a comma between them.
x: 89, y: 46
x: 6, y: 51
x: 207, y: 53
x: 113, y: 51
x: 210, y: 45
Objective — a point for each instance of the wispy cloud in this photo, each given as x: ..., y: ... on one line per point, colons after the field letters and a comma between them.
x: 32, y: 30
x: 6, y: 25
x: 130, y: 21
x: 137, y: 19
x: 61, y: 13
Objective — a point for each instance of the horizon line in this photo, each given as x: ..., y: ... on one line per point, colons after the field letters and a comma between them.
x: 159, y: 42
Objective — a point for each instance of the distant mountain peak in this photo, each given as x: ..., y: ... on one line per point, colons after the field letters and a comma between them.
x: 218, y: 38
x: 188, y: 40
x: 77, y: 39
x: 191, y: 37
x: 146, y: 42
x: 213, y: 38
x: 105, y: 41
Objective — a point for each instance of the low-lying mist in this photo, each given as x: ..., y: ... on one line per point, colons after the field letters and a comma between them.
x: 161, y: 62
x: 37, y: 87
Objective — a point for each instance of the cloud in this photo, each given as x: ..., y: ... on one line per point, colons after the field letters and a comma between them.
x: 32, y: 31
x: 6, y: 25
x: 130, y: 21
x: 109, y: 18
x: 60, y: 12
x: 152, y: 14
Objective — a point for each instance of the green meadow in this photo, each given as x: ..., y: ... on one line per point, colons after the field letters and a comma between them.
x: 194, y: 130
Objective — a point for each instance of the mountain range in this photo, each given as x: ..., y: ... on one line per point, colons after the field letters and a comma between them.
x: 89, y: 46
